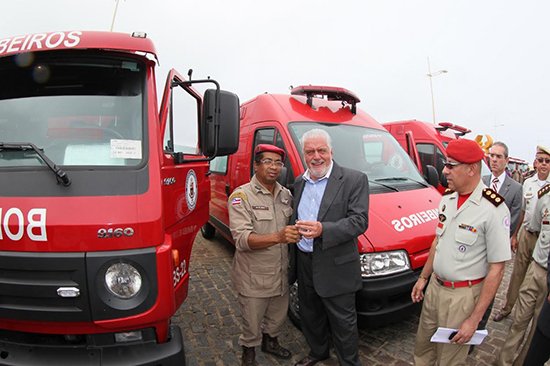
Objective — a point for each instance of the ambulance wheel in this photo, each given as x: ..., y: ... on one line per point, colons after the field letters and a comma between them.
x: 208, y: 231
x: 294, y: 306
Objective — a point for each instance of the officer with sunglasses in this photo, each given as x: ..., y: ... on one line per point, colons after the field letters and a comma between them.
x: 466, y: 261
x: 523, y: 239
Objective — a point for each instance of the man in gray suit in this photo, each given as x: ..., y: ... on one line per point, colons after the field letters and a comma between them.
x: 331, y: 208
x: 504, y: 185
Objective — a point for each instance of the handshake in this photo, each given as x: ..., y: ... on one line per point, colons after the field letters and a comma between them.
x: 302, y: 228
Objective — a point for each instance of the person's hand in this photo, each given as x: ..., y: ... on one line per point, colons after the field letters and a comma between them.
x: 514, y: 243
x: 289, y: 234
x: 465, y: 332
x: 417, y: 293
x: 309, y: 229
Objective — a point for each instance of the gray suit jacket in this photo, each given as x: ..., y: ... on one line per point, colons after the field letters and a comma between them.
x: 513, y: 195
x: 344, y: 215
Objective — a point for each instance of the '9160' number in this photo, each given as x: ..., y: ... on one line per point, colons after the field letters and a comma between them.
x: 114, y: 233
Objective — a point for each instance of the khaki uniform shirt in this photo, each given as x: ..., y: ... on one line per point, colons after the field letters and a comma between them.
x: 531, y: 186
x: 541, y: 223
x: 253, y: 209
x: 471, y: 237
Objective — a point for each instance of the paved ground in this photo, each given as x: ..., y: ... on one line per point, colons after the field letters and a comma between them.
x: 210, y: 321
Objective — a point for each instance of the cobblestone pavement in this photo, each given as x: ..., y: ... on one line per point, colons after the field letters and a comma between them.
x: 210, y: 320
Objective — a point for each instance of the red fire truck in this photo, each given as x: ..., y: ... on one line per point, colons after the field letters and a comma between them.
x: 426, y: 145
x: 403, y: 207
x: 103, y: 191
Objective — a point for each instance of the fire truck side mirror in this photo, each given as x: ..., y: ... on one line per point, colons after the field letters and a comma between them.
x: 219, y: 126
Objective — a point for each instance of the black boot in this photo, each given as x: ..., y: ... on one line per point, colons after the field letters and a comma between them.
x: 249, y: 356
x: 271, y: 345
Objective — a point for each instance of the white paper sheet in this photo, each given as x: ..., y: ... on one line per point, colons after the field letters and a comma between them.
x: 442, y: 336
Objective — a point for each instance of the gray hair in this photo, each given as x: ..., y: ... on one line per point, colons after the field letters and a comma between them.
x: 503, y: 145
x: 316, y: 132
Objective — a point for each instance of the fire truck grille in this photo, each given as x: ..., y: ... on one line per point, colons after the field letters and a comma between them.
x: 30, y: 286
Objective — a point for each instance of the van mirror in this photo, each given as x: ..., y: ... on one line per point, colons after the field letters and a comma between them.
x: 432, y: 176
x: 219, y: 128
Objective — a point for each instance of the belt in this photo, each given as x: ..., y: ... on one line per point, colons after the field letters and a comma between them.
x: 456, y: 284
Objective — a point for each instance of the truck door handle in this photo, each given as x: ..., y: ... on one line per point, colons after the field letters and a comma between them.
x: 227, y: 189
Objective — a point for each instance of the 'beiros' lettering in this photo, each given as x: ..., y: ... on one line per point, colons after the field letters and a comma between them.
x: 12, y: 224
x: 418, y: 218
x: 39, y: 41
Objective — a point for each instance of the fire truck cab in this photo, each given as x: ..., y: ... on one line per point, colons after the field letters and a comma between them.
x: 103, y: 190
x: 426, y: 144
x: 403, y: 207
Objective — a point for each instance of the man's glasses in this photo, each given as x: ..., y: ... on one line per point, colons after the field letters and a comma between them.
x: 270, y: 162
x: 543, y: 160
x: 451, y: 164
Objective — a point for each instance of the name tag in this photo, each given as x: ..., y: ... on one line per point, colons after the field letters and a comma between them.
x: 263, y: 208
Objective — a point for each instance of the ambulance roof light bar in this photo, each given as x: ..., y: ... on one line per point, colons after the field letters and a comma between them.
x: 460, y: 131
x: 331, y: 92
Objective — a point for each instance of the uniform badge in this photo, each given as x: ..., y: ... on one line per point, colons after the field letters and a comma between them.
x: 236, y: 201
x: 468, y: 227
x: 237, y: 198
x: 442, y: 218
x: 462, y: 248
x: 506, y: 222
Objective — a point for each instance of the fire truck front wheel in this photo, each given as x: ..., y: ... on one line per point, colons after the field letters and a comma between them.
x: 208, y: 231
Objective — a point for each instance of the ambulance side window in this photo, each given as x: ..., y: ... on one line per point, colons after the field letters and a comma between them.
x: 430, y: 155
x: 262, y: 136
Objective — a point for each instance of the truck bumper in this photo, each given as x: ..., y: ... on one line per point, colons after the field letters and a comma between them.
x: 15, y: 352
x: 386, y: 299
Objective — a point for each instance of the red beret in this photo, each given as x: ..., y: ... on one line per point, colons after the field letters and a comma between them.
x: 269, y: 148
x: 465, y: 151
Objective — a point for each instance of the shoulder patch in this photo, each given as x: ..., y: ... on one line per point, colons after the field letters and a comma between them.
x: 448, y: 191
x: 544, y: 190
x: 493, y: 197
x: 237, y: 196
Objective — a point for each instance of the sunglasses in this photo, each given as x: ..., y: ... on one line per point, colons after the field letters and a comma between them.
x: 543, y: 160
x: 450, y: 164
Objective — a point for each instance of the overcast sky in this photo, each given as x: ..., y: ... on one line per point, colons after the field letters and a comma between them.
x: 496, y: 52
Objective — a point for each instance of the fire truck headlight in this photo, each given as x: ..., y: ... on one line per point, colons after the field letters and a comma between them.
x: 385, y: 263
x: 123, y: 280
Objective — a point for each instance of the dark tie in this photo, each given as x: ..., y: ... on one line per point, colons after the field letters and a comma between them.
x: 495, y: 184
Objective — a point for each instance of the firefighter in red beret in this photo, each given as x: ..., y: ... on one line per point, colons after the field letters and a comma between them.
x: 259, y: 212
x: 466, y: 260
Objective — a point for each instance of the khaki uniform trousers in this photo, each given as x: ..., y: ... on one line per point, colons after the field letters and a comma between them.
x: 261, y: 315
x: 524, y: 254
x: 532, y: 294
x: 443, y: 307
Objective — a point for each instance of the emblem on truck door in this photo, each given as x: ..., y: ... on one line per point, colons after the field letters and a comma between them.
x: 191, y: 190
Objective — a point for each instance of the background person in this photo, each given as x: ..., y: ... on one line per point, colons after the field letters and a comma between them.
x: 331, y: 206
x: 523, y: 240
x: 258, y: 218
x: 466, y: 260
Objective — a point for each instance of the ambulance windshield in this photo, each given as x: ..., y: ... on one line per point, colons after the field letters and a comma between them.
x: 79, y: 108
x: 374, y: 152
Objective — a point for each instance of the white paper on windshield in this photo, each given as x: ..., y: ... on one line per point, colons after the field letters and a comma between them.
x: 125, y: 149
x: 442, y: 336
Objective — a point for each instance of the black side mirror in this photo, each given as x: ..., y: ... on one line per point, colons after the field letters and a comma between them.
x: 433, y: 177
x: 219, y: 128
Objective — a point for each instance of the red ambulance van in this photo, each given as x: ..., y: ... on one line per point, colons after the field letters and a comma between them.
x: 403, y: 206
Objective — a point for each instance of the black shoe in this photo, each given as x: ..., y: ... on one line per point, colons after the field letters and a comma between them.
x: 249, y: 357
x: 308, y: 361
x: 271, y: 345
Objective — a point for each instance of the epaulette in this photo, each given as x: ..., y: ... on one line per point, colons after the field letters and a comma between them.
x: 493, y: 197
x: 544, y: 190
x: 448, y: 191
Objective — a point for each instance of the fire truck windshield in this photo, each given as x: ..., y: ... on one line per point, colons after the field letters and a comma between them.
x: 79, y: 108
x: 374, y: 152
